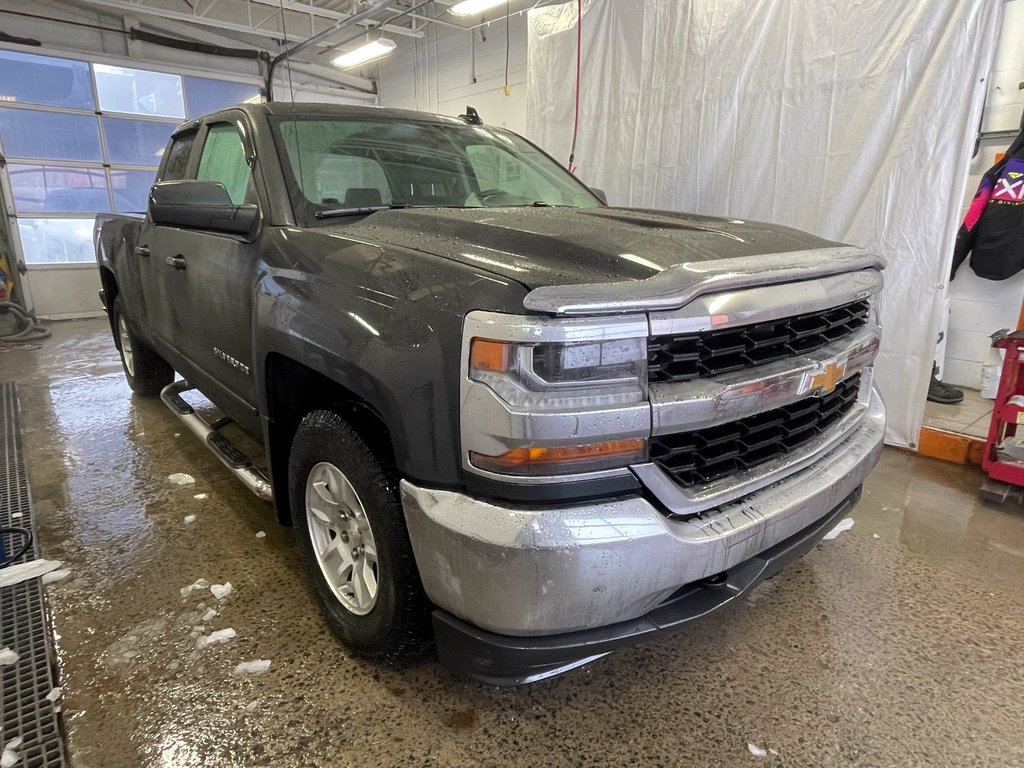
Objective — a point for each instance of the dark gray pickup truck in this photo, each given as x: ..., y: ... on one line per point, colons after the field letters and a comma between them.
x: 489, y: 402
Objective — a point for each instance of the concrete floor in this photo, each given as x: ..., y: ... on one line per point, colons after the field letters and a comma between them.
x: 897, y: 644
x: 971, y: 417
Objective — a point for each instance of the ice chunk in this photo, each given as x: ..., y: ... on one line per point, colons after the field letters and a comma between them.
x: 15, y: 574
x: 220, y: 591
x: 195, y: 585
x: 52, y: 576
x: 257, y: 667
x: 252, y: 706
x: 210, y: 613
x: 181, y: 478
x: 200, y: 496
x: 7, y: 656
x: 756, y: 751
x: 875, y: 536
x: 844, y: 525
x: 54, y: 694
x: 261, y: 534
x: 190, y: 519
x: 16, y: 515
x: 215, y: 638
x: 9, y: 757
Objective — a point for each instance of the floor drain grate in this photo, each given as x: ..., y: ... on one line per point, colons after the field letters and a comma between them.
x: 25, y: 711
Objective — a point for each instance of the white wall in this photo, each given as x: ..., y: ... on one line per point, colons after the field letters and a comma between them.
x: 448, y: 69
x: 979, y: 307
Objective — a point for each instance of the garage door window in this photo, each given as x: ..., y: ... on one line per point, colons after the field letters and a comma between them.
x: 26, y: 78
x: 82, y: 138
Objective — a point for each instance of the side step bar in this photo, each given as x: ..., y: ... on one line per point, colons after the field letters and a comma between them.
x: 232, y: 458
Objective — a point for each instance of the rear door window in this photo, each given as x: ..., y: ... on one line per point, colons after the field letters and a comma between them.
x: 176, y: 164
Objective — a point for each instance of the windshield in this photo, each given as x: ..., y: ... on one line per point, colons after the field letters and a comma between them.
x: 337, y: 165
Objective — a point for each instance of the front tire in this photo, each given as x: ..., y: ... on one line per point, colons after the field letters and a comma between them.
x: 147, y: 373
x: 352, y: 540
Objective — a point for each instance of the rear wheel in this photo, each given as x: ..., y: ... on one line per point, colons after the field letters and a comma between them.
x: 352, y: 540
x: 147, y: 373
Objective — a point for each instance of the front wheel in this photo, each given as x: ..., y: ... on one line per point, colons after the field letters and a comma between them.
x: 146, y: 372
x: 352, y: 540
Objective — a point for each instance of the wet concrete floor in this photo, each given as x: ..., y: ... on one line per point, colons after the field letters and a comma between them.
x: 897, y: 644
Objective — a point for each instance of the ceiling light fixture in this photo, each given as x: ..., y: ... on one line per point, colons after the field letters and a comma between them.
x: 473, y: 7
x: 371, y: 51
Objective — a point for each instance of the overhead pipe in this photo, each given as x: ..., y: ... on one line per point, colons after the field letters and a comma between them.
x: 355, y: 18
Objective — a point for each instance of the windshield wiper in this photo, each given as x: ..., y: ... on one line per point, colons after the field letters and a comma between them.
x: 363, y: 211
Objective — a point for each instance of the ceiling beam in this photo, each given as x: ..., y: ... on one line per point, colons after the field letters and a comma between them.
x: 141, y: 9
x: 326, y: 13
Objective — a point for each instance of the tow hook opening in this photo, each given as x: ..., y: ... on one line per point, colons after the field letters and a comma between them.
x: 715, y: 581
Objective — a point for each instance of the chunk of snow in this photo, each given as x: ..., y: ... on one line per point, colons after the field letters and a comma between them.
x: 875, y: 536
x: 181, y: 478
x: 54, y: 694
x: 756, y: 751
x: 844, y: 525
x: 220, y: 591
x: 210, y: 613
x: 52, y: 576
x: 15, y: 574
x: 195, y: 585
x: 257, y: 667
x: 7, y: 656
x: 14, y: 743
x: 215, y: 638
x: 261, y: 534
x: 200, y: 496
x: 16, y: 515
x: 8, y: 758
x: 190, y: 519
x: 252, y: 706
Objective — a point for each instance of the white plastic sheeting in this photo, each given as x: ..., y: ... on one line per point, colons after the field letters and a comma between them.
x: 851, y: 120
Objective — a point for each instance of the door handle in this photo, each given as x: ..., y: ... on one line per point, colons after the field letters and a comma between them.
x: 178, y: 262
x: 142, y: 250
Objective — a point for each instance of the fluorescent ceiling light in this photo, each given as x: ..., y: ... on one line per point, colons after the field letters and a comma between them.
x: 373, y: 50
x: 473, y: 7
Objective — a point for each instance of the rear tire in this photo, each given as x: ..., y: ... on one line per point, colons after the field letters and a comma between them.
x: 147, y: 373
x: 352, y: 540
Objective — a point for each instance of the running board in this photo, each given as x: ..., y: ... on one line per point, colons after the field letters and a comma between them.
x: 232, y: 458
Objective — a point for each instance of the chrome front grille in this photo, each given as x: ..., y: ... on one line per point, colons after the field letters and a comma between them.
x: 684, y: 357
x: 704, y: 455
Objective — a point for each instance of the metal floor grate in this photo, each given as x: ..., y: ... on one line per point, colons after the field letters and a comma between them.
x: 24, y: 622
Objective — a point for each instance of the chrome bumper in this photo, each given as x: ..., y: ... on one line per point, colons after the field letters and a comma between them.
x: 529, y: 571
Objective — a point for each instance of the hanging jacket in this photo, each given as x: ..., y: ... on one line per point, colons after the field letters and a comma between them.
x: 993, y: 229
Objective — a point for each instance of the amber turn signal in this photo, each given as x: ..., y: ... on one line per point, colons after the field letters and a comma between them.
x: 537, y: 460
x: 487, y: 355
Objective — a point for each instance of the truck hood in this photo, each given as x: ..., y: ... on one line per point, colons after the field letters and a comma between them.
x: 560, y: 246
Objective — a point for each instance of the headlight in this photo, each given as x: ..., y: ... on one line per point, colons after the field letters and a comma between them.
x: 567, y: 396
x: 559, y: 375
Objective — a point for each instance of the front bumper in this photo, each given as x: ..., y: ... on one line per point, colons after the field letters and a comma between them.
x: 511, y: 580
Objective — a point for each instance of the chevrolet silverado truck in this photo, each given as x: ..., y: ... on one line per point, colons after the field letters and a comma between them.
x: 491, y: 405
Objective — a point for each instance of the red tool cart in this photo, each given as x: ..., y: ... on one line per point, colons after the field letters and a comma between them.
x: 1003, y: 460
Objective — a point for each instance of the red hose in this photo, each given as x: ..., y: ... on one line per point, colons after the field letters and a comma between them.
x: 576, y: 116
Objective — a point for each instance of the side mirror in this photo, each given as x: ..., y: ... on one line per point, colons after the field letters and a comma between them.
x: 199, y: 205
x: 600, y: 195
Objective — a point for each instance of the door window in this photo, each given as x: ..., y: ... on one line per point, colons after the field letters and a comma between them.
x: 223, y: 160
x: 177, y: 158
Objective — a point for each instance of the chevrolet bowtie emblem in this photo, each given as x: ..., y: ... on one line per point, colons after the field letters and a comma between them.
x: 825, y: 380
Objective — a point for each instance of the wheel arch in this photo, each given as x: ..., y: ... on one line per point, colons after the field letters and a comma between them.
x: 293, y: 390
